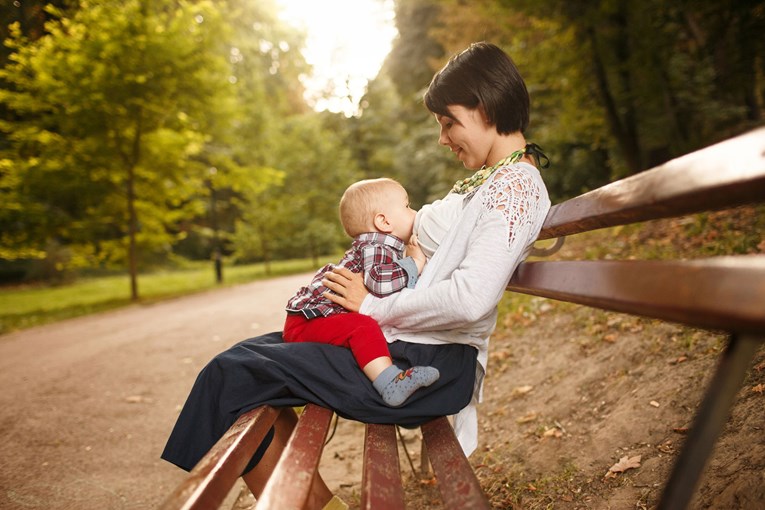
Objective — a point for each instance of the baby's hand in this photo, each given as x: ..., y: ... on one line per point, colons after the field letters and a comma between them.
x: 413, y: 250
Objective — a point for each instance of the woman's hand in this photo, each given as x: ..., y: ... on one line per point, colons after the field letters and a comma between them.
x: 347, y: 288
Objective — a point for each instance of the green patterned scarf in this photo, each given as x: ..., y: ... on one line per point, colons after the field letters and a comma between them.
x: 467, y: 185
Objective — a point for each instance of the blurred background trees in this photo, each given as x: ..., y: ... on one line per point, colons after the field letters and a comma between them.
x: 140, y: 134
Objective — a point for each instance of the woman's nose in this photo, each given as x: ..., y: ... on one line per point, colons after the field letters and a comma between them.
x: 443, y: 138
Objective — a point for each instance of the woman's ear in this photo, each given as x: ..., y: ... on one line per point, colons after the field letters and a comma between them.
x: 484, y: 117
x: 382, y: 224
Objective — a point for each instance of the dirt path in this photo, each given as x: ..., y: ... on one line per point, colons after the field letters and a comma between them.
x: 87, y: 404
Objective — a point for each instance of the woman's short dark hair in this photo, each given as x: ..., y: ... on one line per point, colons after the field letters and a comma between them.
x: 482, y: 75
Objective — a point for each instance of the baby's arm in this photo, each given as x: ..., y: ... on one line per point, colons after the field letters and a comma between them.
x: 414, y: 251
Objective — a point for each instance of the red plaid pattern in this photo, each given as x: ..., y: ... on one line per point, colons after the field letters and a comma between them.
x: 372, y: 254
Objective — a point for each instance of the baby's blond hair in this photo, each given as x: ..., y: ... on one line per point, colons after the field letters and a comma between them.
x: 361, y: 202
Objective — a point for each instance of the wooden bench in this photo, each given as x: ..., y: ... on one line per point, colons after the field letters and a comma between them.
x: 210, y: 481
x: 723, y: 293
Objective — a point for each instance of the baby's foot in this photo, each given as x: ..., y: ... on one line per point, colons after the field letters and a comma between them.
x: 396, y: 385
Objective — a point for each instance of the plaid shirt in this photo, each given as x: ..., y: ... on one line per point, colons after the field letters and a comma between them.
x: 373, y: 254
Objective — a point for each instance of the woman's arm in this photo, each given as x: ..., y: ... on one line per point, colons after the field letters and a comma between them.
x: 473, y: 290
x: 470, y: 293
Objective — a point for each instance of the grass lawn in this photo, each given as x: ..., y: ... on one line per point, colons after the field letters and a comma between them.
x: 25, y: 307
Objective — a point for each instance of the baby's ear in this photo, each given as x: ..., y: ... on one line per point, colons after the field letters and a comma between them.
x: 382, y: 224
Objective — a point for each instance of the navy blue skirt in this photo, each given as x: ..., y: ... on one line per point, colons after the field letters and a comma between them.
x: 265, y: 370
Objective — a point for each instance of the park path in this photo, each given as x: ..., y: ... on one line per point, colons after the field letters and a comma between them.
x: 86, y: 404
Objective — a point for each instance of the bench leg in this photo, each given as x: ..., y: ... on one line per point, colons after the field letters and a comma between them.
x: 457, y: 482
x: 381, y: 479
x: 709, y: 421
x: 211, y: 479
x: 294, y: 476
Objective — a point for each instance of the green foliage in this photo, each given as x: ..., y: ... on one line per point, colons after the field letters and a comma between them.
x: 415, y: 51
x: 298, y: 217
x: 133, y: 129
x: 397, y: 137
x: 265, y: 63
x: 616, y: 87
x: 111, y: 105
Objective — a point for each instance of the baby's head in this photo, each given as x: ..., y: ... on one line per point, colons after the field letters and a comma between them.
x: 377, y: 205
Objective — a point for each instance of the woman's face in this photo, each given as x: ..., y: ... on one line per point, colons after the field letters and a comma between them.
x: 467, y: 133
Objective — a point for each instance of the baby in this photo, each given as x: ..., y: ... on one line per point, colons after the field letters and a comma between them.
x: 376, y: 214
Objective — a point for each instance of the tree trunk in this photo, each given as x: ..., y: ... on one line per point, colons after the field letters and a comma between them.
x: 265, y: 249
x: 216, y: 236
x: 132, y: 229
x: 627, y: 144
x: 132, y: 215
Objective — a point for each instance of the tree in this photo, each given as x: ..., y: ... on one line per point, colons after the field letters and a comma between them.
x: 111, y: 105
x: 265, y: 63
x: 299, y: 217
x: 618, y: 87
x: 415, y: 52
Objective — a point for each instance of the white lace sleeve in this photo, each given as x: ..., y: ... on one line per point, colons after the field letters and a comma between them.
x: 516, y: 194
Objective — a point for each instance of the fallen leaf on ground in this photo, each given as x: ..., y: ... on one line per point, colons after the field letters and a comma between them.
x: 666, y: 446
x: 520, y: 391
x: 553, y: 432
x: 500, y: 355
x: 759, y: 388
x: 527, y: 418
x: 623, y: 465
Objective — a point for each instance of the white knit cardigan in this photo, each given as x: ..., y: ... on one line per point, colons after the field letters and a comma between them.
x: 455, y: 299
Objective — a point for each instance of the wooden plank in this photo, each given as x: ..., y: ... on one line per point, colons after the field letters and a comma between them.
x: 212, y: 478
x: 291, y: 481
x: 718, y: 293
x: 381, y: 479
x: 457, y: 482
x: 727, y: 174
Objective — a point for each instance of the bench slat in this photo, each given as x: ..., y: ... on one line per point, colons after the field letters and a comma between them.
x: 727, y: 174
x: 381, y: 480
x: 724, y: 293
x: 457, y: 482
x: 210, y: 481
x: 289, y: 485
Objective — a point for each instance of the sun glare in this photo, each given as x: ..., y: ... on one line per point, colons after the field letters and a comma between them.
x: 347, y: 41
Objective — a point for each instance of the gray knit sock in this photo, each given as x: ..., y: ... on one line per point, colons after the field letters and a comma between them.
x: 396, y: 385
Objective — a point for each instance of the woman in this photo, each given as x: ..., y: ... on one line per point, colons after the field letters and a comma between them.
x: 482, y: 106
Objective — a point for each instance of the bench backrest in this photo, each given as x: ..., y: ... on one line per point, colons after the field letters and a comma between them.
x: 725, y: 293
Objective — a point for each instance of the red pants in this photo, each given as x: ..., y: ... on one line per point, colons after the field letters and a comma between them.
x: 359, y: 333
